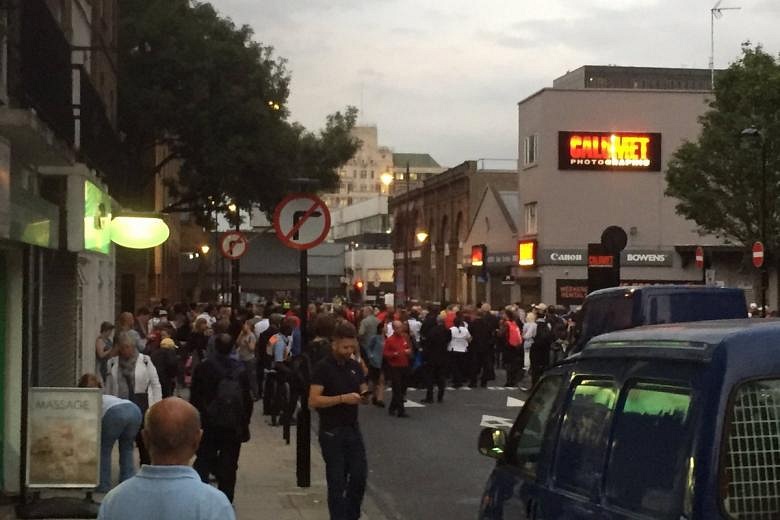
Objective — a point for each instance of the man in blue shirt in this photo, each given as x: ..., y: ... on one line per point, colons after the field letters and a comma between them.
x: 168, y: 487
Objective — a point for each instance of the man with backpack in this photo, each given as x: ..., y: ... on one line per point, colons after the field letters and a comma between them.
x: 221, y: 393
x: 513, y: 355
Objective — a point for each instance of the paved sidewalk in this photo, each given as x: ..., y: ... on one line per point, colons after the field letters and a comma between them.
x: 266, y: 487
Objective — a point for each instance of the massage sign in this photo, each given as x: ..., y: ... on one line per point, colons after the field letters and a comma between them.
x: 614, y: 151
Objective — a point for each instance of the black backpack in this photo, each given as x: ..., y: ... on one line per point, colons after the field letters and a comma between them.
x: 226, y: 411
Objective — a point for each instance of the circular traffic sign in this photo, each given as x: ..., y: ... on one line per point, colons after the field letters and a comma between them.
x: 699, y: 257
x: 233, y: 245
x: 758, y: 254
x: 301, y: 221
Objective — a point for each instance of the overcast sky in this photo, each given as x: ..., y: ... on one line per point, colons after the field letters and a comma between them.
x: 444, y: 76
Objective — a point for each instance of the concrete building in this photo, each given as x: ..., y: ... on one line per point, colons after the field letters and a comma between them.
x: 363, y: 230
x: 442, y: 208
x: 596, y: 157
x: 58, y: 89
x: 361, y: 177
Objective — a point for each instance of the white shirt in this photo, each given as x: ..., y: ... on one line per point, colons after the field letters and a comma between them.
x: 414, y: 328
x: 529, y: 331
x: 460, y: 339
x: 261, y: 326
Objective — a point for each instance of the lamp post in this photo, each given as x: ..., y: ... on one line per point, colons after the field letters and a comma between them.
x: 754, y: 133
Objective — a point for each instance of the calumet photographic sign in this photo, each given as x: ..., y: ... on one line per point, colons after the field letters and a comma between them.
x: 615, y: 151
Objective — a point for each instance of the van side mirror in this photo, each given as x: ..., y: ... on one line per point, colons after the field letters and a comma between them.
x: 492, y: 442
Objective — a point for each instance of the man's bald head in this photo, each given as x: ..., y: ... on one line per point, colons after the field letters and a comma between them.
x: 172, y: 432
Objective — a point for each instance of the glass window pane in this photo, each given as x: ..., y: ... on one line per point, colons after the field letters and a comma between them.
x: 649, y: 449
x: 525, y: 439
x: 583, y: 438
x: 751, y: 464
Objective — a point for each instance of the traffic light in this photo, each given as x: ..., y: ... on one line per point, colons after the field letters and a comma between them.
x: 479, y: 259
x: 357, y: 290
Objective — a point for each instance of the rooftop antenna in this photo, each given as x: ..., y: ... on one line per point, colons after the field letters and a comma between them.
x: 716, y: 12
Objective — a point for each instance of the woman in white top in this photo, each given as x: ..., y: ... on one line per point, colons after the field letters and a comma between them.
x: 458, y: 348
x: 529, y: 331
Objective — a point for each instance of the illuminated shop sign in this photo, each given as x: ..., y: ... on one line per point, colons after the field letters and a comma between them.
x: 617, y: 151
x: 478, y: 254
x: 526, y: 253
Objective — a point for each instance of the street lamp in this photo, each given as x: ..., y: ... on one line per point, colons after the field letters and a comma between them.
x: 754, y: 133
x: 205, y: 249
x: 422, y: 236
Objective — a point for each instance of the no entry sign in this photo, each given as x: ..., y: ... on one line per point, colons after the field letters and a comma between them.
x: 233, y: 245
x: 301, y: 221
x: 758, y: 254
x: 699, y: 257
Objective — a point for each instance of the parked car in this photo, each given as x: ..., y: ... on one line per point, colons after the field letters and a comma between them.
x: 619, y: 308
x: 677, y: 421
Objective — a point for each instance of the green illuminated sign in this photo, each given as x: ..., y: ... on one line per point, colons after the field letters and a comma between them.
x: 97, y: 219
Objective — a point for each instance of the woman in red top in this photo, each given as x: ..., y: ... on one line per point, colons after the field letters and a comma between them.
x: 396, y: 353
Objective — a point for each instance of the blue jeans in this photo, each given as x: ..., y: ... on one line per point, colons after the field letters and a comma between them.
x: 120, y: 422
x: 346, y: 471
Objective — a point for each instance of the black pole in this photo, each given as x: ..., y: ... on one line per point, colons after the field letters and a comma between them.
x: 764, y: 277
x: 303, y: 428
x: 235, y: 296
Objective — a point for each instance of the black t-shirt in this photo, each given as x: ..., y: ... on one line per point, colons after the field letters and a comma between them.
x: 336, y: 379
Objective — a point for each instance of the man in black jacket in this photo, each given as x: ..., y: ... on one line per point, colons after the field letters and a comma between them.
x: 221, y: 393
x: 483, y: 340
x: 436, y: 358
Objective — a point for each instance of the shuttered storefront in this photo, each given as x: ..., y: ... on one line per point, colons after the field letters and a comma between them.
x: 56, y: 354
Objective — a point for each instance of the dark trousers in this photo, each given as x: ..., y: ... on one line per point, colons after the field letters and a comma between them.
x: 482, y: 367
x: 513, y: 361
x: 142, y: 400
x: 435, y: 373
x: 346, y: 471
x: 460, y: 367
x: 398, y: 378
x: 218, y: 455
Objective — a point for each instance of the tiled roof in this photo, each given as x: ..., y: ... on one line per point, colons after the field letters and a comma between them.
x: 415, y: 160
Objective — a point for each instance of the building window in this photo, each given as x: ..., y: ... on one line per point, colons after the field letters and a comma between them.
x: 530, y: 150
x: 362, y: 174
x: 531, y: 219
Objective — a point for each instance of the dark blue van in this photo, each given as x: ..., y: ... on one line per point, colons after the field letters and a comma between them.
x: 676, y: 421
x: 619, y: 308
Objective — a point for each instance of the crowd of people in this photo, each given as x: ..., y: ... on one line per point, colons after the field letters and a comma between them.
x: 229, y: 358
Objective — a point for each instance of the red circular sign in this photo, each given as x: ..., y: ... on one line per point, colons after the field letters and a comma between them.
x: 233, y: 245
x: 301, y: 221
x: 758, y: 254
x: 699, y: 257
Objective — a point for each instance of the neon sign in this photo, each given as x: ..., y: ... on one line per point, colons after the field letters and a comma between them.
x: 617, y: 151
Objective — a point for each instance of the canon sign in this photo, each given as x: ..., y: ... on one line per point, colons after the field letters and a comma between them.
x: 563, y: 257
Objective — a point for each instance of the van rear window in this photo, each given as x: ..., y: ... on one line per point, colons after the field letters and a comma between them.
x: 649, y: 449
x: 679, y: 307
x: 750, y: 478
x: 607, y: 314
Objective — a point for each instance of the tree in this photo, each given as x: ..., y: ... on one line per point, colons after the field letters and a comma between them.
x: 215, y: 99
x: 718, y: 179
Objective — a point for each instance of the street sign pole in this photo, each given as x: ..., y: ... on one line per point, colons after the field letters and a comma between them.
x: 235, y: 296
x: 302, y: 221
x: 303, y: 432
